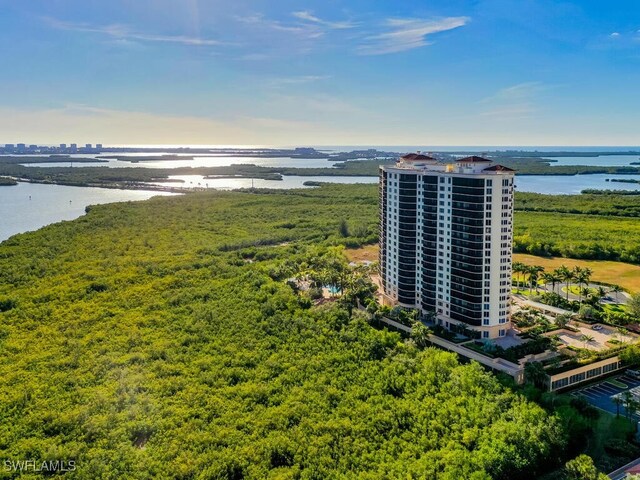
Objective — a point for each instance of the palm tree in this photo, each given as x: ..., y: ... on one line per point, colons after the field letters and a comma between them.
x: 585, y: 292
x: 559, y: 272
x: 534, y: 274
x: 630, y: 404
x: 518, y: 268
x: 633, y: 406
x: 616, y: 289
x: 586, y: 339
x: 534, y: 372
x: 577, y: 277
x: 563, y: 320
x: 622, y: 332
x: 551, y: 277
x: 582, y: 277
x: 420, y: 334
x: 567, y: 276
x: 618, y: 401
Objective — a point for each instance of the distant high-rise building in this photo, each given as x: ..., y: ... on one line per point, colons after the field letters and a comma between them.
x: 73, y: 147
x: 63, y: 146
x: 445, y: 240
x: 21, y: 147
x: 98, y: 146
x: 88, y: 146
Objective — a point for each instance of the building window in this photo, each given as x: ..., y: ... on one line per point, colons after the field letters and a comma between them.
x: 485, y: 334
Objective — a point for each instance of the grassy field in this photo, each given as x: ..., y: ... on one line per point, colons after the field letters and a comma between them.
x: 624, y: 274
x: 577, y: 236
x: 368, y: 253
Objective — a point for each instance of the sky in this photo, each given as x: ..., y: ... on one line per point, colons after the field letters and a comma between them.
x: 320, y: 72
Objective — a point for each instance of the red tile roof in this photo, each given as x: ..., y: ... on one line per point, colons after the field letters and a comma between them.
x: 417, y: 156
x: 498, y: 168
x: 474, y: 159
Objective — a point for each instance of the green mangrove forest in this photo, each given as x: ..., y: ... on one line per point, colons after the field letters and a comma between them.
x: 170, y: 339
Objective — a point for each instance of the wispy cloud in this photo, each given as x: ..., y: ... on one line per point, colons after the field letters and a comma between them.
x: 407, y: 34
x: 521, y: 91
x: 510, y: 112
x: 378, y: 38
x: 298, y: 80
x: 255, y: 57
x: 516, y: 101
x: 617, y: 40
x: 309, y: 17
x: 124, y: 32
x: 302, y: 30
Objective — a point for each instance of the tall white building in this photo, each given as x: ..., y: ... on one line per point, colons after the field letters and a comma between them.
x: 445, y: 240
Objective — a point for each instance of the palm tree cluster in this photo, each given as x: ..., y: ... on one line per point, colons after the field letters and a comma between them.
x: 330, y: 269
x: 528, y: 276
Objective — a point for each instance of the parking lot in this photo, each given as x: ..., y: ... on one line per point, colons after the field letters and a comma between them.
x: 600, y: 394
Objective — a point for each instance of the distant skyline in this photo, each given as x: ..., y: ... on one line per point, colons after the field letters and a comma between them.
x: 443, y: 72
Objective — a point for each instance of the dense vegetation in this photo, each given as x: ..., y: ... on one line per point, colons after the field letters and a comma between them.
x: 595, y: 191
x: 97, y: 176
x: 577, y: 236
x: 7, y: 182
x: 626, y: 180
x: 542, y: 166
x: 612, y: 204
x: 161, y: 339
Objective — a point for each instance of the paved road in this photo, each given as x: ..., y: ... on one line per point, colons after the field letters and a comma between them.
x: 613, y: 298
x: 601, y: 393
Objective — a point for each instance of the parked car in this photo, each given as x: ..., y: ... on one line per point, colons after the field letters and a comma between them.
x: 633, y: 373
x: 596, y: 327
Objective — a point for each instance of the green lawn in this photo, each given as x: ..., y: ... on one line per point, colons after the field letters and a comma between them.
x: 608, y: 307
x: 623, y: 274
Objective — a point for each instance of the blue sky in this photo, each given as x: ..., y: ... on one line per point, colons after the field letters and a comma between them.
x: 332, y: 72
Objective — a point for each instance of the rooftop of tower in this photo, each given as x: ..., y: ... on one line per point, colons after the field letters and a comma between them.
x: 474, y: 159
x: 413, y: 157
x: 472, y: 165
x: 498, y: 168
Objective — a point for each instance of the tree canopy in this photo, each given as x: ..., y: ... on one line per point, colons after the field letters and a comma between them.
x: 162, y: 339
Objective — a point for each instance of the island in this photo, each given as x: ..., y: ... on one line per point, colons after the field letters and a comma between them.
x: 7, y: 182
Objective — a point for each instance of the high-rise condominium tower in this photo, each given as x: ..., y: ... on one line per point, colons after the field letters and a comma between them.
x: 445, y: 240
